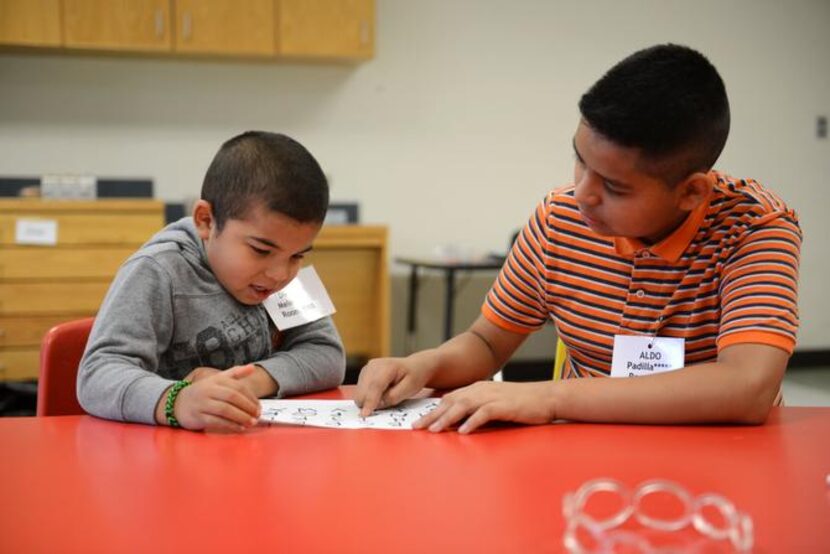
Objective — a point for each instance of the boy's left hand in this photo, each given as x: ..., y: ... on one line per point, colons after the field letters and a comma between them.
x: 215, y: 402
x: 486, y: 401
x: 259, y: 381
x: 200, y: 373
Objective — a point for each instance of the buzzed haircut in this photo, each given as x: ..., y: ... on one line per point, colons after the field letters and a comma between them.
x: 669, y: 102
x: 269, y: 169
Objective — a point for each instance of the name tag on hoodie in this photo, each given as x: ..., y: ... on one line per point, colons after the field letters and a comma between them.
x: 301, y: 301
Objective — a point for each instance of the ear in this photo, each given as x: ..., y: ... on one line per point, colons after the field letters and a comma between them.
x: 203, y: 218
x: 694, y: 190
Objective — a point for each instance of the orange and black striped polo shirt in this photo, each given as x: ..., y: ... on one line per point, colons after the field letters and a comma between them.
x: 727, y: 275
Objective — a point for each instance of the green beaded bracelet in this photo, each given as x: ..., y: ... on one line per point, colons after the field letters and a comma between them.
x: 171, y: 399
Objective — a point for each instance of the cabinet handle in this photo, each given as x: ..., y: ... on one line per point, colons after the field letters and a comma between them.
x: 364, y: 32
x: 187, y: 24
x: 159, y: 23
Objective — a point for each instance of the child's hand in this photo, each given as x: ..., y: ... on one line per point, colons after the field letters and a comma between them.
x: 486, y: 401
x: 218, y: 401
x: 200, y: 373
x: 385, y: 382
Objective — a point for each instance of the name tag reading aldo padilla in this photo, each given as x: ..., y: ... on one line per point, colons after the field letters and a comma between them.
x: 302, y: 301
x: 643, y: 355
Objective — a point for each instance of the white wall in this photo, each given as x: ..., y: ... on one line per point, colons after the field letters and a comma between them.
x: 459, y: 125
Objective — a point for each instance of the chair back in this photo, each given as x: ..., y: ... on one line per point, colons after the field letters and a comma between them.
x: 60, y: 354
x: 559, y: 359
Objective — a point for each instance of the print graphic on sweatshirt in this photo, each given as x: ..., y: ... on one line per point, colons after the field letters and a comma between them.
x: 234, y: 342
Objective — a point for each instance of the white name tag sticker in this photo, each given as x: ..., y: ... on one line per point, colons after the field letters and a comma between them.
x: 36, y: 231
x: 302, y: 301
x: 636, y: 355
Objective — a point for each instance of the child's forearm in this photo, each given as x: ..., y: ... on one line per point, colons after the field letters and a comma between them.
x: 462, y: 360
x: 706, y: 393
x: 310, y: 358
x: 471, y: 356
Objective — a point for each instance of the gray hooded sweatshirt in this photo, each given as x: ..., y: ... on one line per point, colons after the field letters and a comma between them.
x: 166, y: 314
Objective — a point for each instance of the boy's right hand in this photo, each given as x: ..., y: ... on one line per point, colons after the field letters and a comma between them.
x: 385, y: 382
x: 218, y: 402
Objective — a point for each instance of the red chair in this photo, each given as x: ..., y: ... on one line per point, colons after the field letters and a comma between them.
x: 60, y: 354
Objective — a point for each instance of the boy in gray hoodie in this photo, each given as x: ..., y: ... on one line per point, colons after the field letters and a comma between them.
x: 182, y: 338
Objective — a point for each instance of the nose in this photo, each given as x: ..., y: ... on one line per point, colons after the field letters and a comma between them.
x: 279, y: 272
x: 586, y: 188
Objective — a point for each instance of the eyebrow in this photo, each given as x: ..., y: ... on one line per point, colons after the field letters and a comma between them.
x: 267, y: 242
x: 603, y: 177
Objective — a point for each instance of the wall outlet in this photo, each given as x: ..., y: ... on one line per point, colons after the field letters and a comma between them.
x: 821, y: 127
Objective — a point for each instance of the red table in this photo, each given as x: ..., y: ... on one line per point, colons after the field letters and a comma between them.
x: 80, y: 484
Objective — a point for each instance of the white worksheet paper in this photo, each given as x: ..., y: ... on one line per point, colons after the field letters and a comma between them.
x: 344, y: 414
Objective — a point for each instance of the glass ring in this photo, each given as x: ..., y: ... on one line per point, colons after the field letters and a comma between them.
x: 574, y: 504
x: 661, y: 485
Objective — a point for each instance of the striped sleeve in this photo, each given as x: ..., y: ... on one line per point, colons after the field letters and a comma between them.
x: 516, y: 301
x: 759, y: 299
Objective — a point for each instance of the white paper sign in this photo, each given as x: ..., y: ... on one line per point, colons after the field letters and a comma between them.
x: 67, y: 186
x: 302, y: 301
x: 643, y: 355
x: 36, y: 231
x: 344, y: 414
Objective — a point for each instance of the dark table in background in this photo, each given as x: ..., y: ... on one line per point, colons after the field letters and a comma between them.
x: 449, y: 269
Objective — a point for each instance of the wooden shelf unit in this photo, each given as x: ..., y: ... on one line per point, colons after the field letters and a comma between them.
x: 352, y: 263
x: 41, y: 286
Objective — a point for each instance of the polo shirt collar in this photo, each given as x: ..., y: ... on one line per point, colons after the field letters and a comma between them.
x: 673, y: 246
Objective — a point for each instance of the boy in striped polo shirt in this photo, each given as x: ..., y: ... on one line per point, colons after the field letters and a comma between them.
x: 651, y: 265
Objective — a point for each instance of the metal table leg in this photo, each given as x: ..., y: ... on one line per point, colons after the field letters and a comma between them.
x: 450, y: 303
x: 411, y: 310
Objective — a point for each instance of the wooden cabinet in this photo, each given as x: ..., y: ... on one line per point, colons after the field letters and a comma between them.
x: 225, y: 27
x: 41, y: 286
x: 30, y: 22
x: 126, y: 25
x: 326, y: 28
x: 351, y: 260
x: 270, y: 29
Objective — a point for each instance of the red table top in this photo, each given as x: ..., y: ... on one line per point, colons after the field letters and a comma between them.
x: 81, y: 484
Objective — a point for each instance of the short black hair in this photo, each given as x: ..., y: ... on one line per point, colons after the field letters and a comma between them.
x: 269, y: 168
x: 669, y: 102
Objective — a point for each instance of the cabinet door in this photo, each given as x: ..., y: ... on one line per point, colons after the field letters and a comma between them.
x: 30, y: 22
x: 327, y: 28
x: 134, y: 25
x: 351, y: 262
x: 231, y: 27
